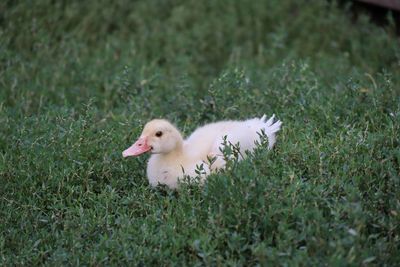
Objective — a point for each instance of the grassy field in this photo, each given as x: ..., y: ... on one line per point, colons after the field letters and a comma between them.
x: 78, y: 79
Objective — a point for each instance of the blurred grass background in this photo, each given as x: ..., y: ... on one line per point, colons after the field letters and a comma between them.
x: 78, y: 79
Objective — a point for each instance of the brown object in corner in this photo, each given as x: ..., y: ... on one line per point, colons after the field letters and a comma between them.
x: 390, y: 4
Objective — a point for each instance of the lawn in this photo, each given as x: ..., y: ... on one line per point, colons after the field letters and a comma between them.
x: 78, y: 80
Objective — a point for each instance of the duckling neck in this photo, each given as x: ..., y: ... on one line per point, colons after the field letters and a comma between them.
x: 176, y: 153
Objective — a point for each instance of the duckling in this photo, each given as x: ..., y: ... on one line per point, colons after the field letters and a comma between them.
x: 173, y: 157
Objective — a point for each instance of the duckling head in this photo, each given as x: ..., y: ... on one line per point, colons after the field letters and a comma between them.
x: 158, y: 137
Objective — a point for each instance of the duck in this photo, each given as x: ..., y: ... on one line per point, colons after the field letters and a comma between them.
x: 173, y: 158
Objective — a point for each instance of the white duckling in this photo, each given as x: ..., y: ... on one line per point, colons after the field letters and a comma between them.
x: 173, y: 157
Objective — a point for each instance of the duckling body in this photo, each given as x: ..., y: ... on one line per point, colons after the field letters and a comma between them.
x: 173, y: 158
x: 168, y: 169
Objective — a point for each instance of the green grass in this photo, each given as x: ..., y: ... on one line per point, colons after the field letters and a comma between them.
x: 78, y: 79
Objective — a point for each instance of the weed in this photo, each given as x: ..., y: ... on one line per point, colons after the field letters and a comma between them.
x: 79, y: 79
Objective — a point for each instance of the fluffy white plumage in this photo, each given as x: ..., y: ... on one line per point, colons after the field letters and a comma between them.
x: 172, y: 157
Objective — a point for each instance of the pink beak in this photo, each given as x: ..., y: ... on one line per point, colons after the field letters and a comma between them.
x: 139, y: 147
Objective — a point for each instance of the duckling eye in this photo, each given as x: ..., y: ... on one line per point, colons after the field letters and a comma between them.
x: 159, y: 134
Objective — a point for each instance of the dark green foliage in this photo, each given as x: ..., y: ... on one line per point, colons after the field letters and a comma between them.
x: 78, y: 79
